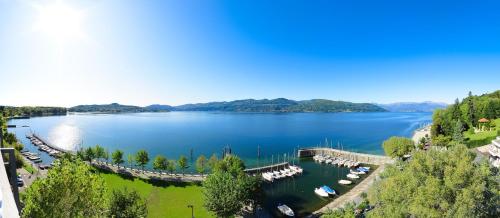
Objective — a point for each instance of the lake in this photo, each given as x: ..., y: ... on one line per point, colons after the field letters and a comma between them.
x: 276, y: 134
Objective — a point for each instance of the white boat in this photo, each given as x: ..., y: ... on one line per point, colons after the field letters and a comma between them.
x: 320, y: 192
x: 357, y: 172
x: 328, y: 161
x: 297, y: 169
x: 341, y: 162
x: 345, y: 182
x: 352, y: 176
x: 284, y: 209
x: 267, y: 177
x: 328, y: 190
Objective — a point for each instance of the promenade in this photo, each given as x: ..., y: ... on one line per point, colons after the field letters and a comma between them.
x: 145, y: 174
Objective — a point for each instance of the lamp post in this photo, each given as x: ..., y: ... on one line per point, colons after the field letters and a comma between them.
x: 192, y: 210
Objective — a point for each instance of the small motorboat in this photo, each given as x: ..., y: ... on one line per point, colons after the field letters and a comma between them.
x: 357, y: 172
x: 328, y: 190
x: 345, y: 182
x: 286, y: 210
x: 352, y: 176
x: 321, y: 192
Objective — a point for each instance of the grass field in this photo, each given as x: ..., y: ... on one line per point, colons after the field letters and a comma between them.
x: 164, y: 199
x: 482, y: 138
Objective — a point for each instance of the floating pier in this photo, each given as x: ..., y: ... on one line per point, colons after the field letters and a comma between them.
x: 362, y: 158
x: 268, y: 168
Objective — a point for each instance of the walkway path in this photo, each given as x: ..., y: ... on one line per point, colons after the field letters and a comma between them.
x: 149, y: 174
x: 354, y: 195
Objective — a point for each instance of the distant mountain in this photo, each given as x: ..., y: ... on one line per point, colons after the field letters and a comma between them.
x: 159, y: 108
x: 112, y: 108
x: 426, y: 106
x: 246, y: 105
x: 281, y: 105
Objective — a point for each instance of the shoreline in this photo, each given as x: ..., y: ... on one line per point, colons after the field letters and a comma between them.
x: 421, y: 133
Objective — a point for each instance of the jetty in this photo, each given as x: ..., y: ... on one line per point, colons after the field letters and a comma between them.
x: 44, y: 142
x: 359, y: 157
x: 267, y: 168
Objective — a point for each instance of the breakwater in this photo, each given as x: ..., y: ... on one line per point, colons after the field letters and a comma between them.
x: 363, y: 158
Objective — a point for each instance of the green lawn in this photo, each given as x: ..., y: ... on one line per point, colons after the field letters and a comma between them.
x: 164, y: 199
x: 482, y: 138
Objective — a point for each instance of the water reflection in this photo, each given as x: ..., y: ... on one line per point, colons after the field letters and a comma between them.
x: 65, y: 135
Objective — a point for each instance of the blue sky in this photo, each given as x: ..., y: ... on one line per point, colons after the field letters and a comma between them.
x: 175, y: 52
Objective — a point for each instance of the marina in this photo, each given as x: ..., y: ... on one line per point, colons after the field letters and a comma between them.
x: 171, y: 134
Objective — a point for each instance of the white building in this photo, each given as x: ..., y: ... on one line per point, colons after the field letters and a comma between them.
x: 495, y: 152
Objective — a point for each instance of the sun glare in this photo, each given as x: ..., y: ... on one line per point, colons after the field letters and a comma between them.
x: 59, y: 22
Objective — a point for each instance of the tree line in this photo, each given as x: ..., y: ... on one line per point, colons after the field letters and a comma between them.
x: 9, y: 111
x: 141, y: 158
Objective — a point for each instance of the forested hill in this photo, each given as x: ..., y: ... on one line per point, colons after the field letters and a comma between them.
x: 247, y: 105
x: 9, y: 111
x: 281, y: 105
x: 113, y: 108
x: 426, y: 106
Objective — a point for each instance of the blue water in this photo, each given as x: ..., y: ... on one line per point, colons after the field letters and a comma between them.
x: 176, y: 133
x: 278, y: 134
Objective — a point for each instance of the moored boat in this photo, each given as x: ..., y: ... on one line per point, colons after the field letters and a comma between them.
x: 352, y: 176
x: 345, y: 182
x: 320, y: 192
x: 328, y: 190
x: 286, y: 210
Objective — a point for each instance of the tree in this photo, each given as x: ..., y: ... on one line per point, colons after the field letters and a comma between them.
x: 437, y: 184
x: 471, y: 111
x: 441, y: 140
x: 201, y: 163
x: 70, y: 189
x: 99, y: 152
x: 127, y: 204
x: 171, y: 166
x: 457, y: 132
x: 89, y: 154
x: 130, y: 160
x: 212, y: 162
x: 106, y: 155
x: 142, y: 158
x: 398, y: 146
x: 348, y: 211
x: 455, y: 110
x: 160, y: 163
x: 182, y: 163
x: 228, y: 188
x: 117, y: 157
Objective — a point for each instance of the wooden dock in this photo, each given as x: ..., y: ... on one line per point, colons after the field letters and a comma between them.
x: 363, y: 158
x: 267, y: 168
